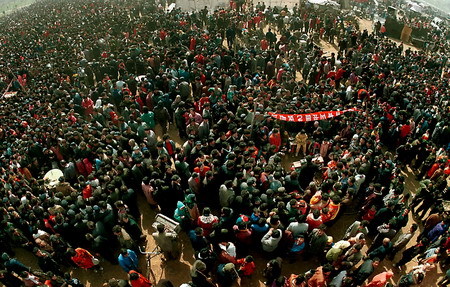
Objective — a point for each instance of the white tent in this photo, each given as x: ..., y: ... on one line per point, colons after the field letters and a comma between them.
x: 416, y: 8
x: 324, y: 2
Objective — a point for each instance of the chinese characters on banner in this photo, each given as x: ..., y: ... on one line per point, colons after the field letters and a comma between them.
x: 310, y: 117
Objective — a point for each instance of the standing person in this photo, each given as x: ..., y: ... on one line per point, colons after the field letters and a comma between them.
x: 128, y: 260
x: 318, y: 241
x: 46, y: 262
x: 271, y: 240
x: 320, y: 277
x: 13, y: 265
x: 384, y: 231
x: 83, y: 259
x: 162, y: 116
x: 355, y: 228
x: 275, y: 139
x: 200, y: 276
x: 138, y: 280
x: 167, y: 242
x: 352, y: 257
x: 437, y: 231
x: 381, y: 279
x: 149, y: 192
x: 123, y: 237
x: 365, y: 270
x: 207, y: 220
x: 445, y: 280
x: 9, y: 279
x: 198, y: 240
x: 412, y: 252
x: 230, y: 35
x: 429, y: 223
x: 307, y: 172
x: 382, y: 251
x: 271, y: 37
x: 301, y: 139
x: 414, y: 277
x: 148, y: 117
x: 246, y: 266
x: 272, y: 270
x: 402, y: 241
x: 226, y: 274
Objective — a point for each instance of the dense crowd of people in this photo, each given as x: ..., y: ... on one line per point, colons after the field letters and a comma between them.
x: 429, y: 24
x: 97, y: 88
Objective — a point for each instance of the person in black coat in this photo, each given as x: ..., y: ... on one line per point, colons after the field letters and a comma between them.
x: 307, y: 172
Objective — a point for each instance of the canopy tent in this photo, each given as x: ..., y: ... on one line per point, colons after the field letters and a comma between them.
x: 51, y: 178
x: 324, y: 2
x: 416, y: 8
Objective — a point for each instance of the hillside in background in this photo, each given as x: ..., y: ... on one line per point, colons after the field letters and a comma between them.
x: 11, y: 5
x: 443, y: 5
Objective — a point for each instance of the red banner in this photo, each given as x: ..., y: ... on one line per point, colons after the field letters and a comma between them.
x: 310, y: 117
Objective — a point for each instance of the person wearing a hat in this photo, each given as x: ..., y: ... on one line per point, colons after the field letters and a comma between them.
x: 226, y: 274
x: 199, y: 274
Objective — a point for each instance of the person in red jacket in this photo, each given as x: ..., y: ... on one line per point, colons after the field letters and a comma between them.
x: 275, y: 139
x: 82, y: 258
x: 206, y: 221
x: 320, y: 276
x: 246, y: 266
x: 138, y: 280
x: 405, y: 130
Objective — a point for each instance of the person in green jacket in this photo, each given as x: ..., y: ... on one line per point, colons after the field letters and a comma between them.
x: 148, y: 117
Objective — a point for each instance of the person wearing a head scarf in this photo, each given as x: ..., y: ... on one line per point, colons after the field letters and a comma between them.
x: 199, y: 274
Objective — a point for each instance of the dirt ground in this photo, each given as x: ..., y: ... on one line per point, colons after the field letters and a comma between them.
x: 178, y: 271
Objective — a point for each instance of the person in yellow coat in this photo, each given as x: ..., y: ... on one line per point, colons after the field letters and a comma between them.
x: 301, y: 140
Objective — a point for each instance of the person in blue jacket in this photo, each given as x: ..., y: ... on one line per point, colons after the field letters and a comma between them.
x: 128, y: 260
